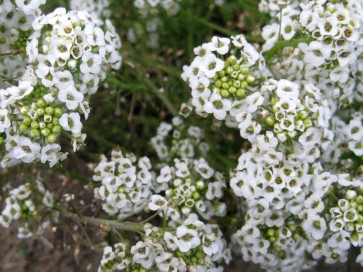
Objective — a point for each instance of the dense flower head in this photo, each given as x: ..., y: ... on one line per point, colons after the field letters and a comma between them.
x: 191, y: 246
x: 15, y: 28
x: 328, y: 48
x: 178, y: 140
x: 191, y: 186
x: 223, y: 71
x: 123, y: 183
x: 69, y: 54
x: 278, y: 232
x: 24, y: 205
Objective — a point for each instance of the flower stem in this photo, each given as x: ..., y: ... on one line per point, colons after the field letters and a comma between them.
x: 128, y: 226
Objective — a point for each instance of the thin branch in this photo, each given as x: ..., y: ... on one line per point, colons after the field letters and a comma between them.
x: 129, y: 226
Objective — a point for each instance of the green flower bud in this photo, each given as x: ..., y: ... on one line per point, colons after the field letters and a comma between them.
x: 232, y: 60
x: 241, y: 77
x: 224, y: 93
x: 244, y: 84
x: 232, y: 90
x: 42, y: 125
x: 229, y: 70
x: 359, y: 200
x: 58, y: 112
x: 250, y: 79
x: 23, y: 128
x: 50, y: 126
x: 292, y: 227
x: 221, y: 73
x: 240, y: 93
x: 271, y: 232
x: 236, y: 67
x: 224, y: 79
x: 270, y: 120
x: 24, y: 110
x: 218, y: 83
x: 2, y: 140
x: 45, y: 132
x: 302, y: 114
x: 52, y: 138
x: 196, y: 196
x: 41, y: 103
x: 56, y: 129
x: 244, y: 70
x: 216, y: 90
x: 49, y: 110
x: 55, y: 121
x: 34, y: 125
x: 308, y: 123
x: 34, y: 133
x: 40, y: 111
x: 27, y: 120
x: 225, y: 86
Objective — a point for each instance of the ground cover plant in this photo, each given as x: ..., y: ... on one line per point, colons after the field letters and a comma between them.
x: 181, y: 135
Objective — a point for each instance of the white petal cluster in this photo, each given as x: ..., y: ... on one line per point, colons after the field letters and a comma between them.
x: 191, y: 186
x: 124, y: 183
x: 330, y: 53
x: 16, y: 19
x: 22, y: 205
x: 69, y: 55
x: 192, y: 246
x: 178, y: 140
x: 218, y: 78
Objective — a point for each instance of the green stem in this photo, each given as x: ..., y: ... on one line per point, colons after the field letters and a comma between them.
x: 281, y: 44
x: 12, y: 53
x: 162, y: 97
x: 210, y: 24
x: 128, y: 226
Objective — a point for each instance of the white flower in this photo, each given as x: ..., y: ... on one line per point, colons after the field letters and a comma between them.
x: 71, y: 97
x: 221, y: 45
x: 157, y: 202
x: 29, y: 6
x: 210, y: 65
x: 218, y: 106
x: 91, y: 63
x: 286, y: 88
x: 4, y: 120
x: 315, y: 226
x: 26, y: 150
x: 186, y: 238
x: 50, y: 153
x: 71, y: 122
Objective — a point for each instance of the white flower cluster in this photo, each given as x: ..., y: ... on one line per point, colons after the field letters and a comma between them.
x: 98, y: 8
x: 191, y: 186
x: 69, y: 54
x: 321, y: 42
x: 347, y: 222
x: 328, y: 49
x: 151, y: 7
x: 222, y: 73
x: 16, y: 19
x: 178, y: 140
x: 292, y: 234
x: 125, y: 183
x: 192, y: 246
x: 297, y: 104
x: 23, y: 204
